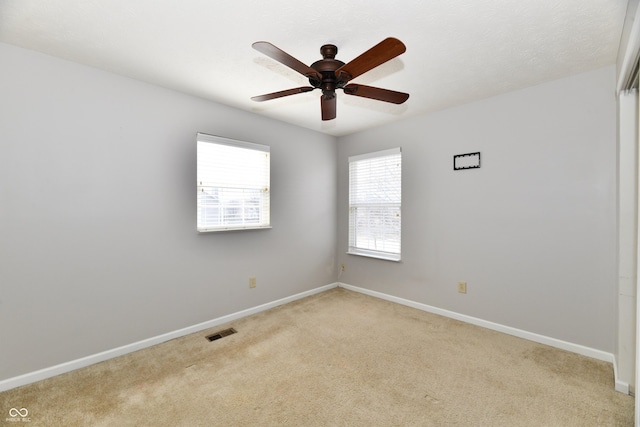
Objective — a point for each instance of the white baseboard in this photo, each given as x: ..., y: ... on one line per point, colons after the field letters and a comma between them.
x: 129, y: 348
x: 62, y: 368
x: 553, y: 342
x: 620, y: 386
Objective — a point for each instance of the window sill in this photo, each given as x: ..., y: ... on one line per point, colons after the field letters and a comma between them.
x: 378, y: 255
x: 217, y: 230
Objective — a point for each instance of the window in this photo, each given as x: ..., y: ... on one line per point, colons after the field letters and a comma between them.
x: 374, y: 204
x: 233, y: 184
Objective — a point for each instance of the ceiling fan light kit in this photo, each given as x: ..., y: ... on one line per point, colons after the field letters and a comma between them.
x: 329, y: 74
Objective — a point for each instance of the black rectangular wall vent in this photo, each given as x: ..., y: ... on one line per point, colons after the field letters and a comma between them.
x: 221, y: 334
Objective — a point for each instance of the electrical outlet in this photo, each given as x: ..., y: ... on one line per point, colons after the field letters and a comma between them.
x: 462, y: 287
x: 343, y: 267
x: 252, y: 282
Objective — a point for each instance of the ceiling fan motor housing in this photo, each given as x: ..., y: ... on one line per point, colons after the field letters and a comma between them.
x: 327, y: 67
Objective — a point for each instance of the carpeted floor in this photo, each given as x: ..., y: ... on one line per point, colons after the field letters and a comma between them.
x: 338, y: 358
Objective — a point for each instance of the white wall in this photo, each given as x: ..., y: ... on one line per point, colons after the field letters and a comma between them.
x: 98, y: 245
x: 533, y: 231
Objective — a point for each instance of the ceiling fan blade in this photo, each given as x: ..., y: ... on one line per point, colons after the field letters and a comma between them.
x: 282, y: 93
x: 384, y: 51
x: 328, y: 106
x: 286, y: 59
x: 376, y: 93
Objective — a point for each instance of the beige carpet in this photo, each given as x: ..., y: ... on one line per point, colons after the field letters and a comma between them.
x: 334, y: 359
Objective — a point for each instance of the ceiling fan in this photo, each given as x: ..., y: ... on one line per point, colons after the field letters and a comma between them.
x: 329, y: 74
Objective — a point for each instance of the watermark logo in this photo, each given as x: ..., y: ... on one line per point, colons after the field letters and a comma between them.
x: 22, y: 412
x: 18, y: 415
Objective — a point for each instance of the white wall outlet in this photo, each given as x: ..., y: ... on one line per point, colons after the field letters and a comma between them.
x: 252, y: 282
x: 462, y: 287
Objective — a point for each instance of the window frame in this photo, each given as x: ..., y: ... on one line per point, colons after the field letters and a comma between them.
x: 241, y: 188
x: 353, y: 247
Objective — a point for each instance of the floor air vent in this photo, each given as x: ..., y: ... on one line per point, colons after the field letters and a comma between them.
x: 221, y: 334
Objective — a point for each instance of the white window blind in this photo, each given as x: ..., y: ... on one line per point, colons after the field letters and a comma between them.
x: 233, y: 184
x: 374, y: 204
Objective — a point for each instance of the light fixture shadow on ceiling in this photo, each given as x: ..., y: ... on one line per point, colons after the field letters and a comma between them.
x: 380, y: 107
x: 280, y: 69
x: 380, y: 72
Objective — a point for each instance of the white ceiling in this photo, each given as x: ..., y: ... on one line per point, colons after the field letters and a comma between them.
x: 457, y: 50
